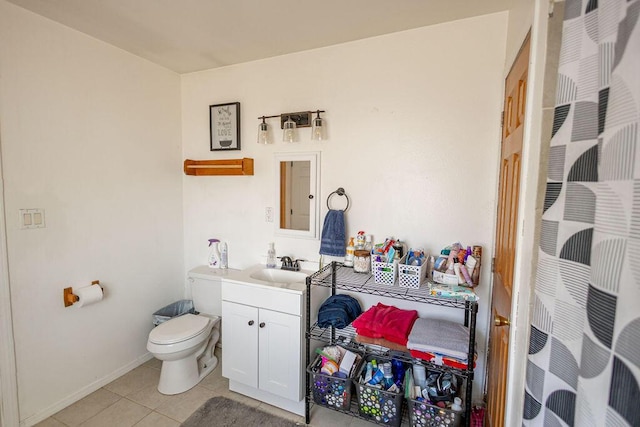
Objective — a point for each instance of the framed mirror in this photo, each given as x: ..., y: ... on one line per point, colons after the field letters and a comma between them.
x: 297, y: 212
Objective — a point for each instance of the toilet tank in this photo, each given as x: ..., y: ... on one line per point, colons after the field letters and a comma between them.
x: 205, y: 285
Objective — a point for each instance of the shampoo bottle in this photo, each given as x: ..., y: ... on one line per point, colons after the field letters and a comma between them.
x: 271, y: 256
x: 214, y: 254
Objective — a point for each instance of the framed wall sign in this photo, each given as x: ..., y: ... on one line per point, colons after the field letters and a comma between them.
x: 224, y: 124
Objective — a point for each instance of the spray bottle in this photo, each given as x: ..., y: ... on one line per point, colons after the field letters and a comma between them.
x: 214, y: 254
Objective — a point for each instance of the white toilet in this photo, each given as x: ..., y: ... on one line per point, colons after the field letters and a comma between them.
x: 185, y: 344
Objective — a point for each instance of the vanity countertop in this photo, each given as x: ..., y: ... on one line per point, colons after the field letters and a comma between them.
x: 256, y: 275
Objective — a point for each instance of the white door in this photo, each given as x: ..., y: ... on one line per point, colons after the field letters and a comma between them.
x: 300, y: 190
x: 240, y: 337
x: 506, y: 235
x: 280, y: 360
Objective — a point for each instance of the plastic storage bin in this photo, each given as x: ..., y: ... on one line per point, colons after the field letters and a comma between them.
x: 384, y: 273
x: 377, y: 405
x: 411, y: 276
x: 175, y: 309
x: 330, y: 391
x: 422, y: 414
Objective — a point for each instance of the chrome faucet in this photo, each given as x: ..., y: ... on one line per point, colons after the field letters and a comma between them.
x: 289, y: 264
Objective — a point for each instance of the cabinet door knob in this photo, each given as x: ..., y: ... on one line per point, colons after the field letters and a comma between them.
x: 251, y: 322
x: 262, y: 324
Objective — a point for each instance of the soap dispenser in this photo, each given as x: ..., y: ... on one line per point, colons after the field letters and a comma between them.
x: 271, y: 256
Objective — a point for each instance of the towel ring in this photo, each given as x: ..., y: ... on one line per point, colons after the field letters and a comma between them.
x: 340, y: 192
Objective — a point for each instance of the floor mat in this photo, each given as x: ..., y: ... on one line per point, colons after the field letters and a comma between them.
x: 223, y: 412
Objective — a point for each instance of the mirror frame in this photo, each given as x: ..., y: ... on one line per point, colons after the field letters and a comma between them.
x: 314, y: 189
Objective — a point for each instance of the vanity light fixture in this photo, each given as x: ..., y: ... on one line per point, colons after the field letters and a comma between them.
x: 318, y: 128
x: 290, y: 122
x: 264, y: 136
x: 289, y: 133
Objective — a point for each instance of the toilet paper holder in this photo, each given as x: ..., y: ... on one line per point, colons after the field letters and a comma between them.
x: 70, y: 298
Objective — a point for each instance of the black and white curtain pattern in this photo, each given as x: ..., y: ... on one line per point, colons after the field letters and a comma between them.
x: 583, y: 367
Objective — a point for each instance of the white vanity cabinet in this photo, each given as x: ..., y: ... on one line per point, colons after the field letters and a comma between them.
x: 262, y: 349
x: 262, y: 337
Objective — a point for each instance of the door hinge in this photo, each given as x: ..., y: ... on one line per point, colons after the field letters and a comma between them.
x: 502, y: 119
x: 493, y: 264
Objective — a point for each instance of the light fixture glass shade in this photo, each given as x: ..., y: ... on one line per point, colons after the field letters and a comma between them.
x: 289, y: 133
x: 264, y: 136
x: 318, y: 132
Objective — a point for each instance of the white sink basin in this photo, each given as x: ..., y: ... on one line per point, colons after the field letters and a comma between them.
x: 279, y: 276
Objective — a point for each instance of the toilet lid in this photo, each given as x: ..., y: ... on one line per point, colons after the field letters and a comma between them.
x: 178, y: 329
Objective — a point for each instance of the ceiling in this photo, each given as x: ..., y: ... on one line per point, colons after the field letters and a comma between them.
x: 193, y: 35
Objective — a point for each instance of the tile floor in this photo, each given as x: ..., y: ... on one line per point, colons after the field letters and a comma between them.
x: 133, y: 400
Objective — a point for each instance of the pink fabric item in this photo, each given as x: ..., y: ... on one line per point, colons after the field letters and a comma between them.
x: 448, y: 361
x: 386, y: 321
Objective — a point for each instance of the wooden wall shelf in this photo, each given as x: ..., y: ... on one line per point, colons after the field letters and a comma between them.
x: 242, y: 166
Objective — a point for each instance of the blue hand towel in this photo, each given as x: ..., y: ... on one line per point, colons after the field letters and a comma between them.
x: 333, y: 234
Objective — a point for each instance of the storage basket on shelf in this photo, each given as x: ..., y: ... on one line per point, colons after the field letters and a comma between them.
x: 375, y: 404
x: 411, y: 276
x: 329, y: 390
x: 384, y: 273
x: 422, y: 414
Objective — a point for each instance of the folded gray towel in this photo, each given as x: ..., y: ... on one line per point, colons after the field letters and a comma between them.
x: 439, y: 336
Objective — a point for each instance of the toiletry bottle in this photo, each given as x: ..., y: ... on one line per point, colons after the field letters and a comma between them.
x: 271, y: 256
x: 399, y: 248
x: 387, y: 379
x: 368, y: 373
x: 457, y: 404
x: 214, y: 254
x: 350, y: 252
x: 224, y: 255
x: 368, y: 242
x: 458, y: 272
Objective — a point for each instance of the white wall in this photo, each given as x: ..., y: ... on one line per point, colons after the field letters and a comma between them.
x: 413, y: 119
x: 91, y: 134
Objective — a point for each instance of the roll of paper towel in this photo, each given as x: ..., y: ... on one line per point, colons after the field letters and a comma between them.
x: 88, y: 295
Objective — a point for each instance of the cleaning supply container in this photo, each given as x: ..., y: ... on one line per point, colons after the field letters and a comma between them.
x: 330, y: 390
x: 214, y: 260
x: 375, y: 404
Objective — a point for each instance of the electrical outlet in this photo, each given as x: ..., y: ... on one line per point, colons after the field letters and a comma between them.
x: 268, y: 214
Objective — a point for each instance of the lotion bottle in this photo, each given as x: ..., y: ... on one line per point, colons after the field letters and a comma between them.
x: 350, y: 253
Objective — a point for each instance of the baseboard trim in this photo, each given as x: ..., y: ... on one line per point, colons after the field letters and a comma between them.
x: 84, y: 392
x: 263, y: 396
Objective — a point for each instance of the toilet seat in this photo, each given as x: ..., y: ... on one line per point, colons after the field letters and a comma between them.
x: 179, y: 329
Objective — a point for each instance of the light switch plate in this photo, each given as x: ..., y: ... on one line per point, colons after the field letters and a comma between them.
x: 31, y: 218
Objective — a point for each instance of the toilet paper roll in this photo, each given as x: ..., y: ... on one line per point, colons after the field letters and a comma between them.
x: 88, y: 295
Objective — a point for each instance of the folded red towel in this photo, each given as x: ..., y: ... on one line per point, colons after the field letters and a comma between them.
x: 367, y: 324
x: 386, y: 321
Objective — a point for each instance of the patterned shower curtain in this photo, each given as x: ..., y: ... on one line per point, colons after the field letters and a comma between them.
x: 583, y: 366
